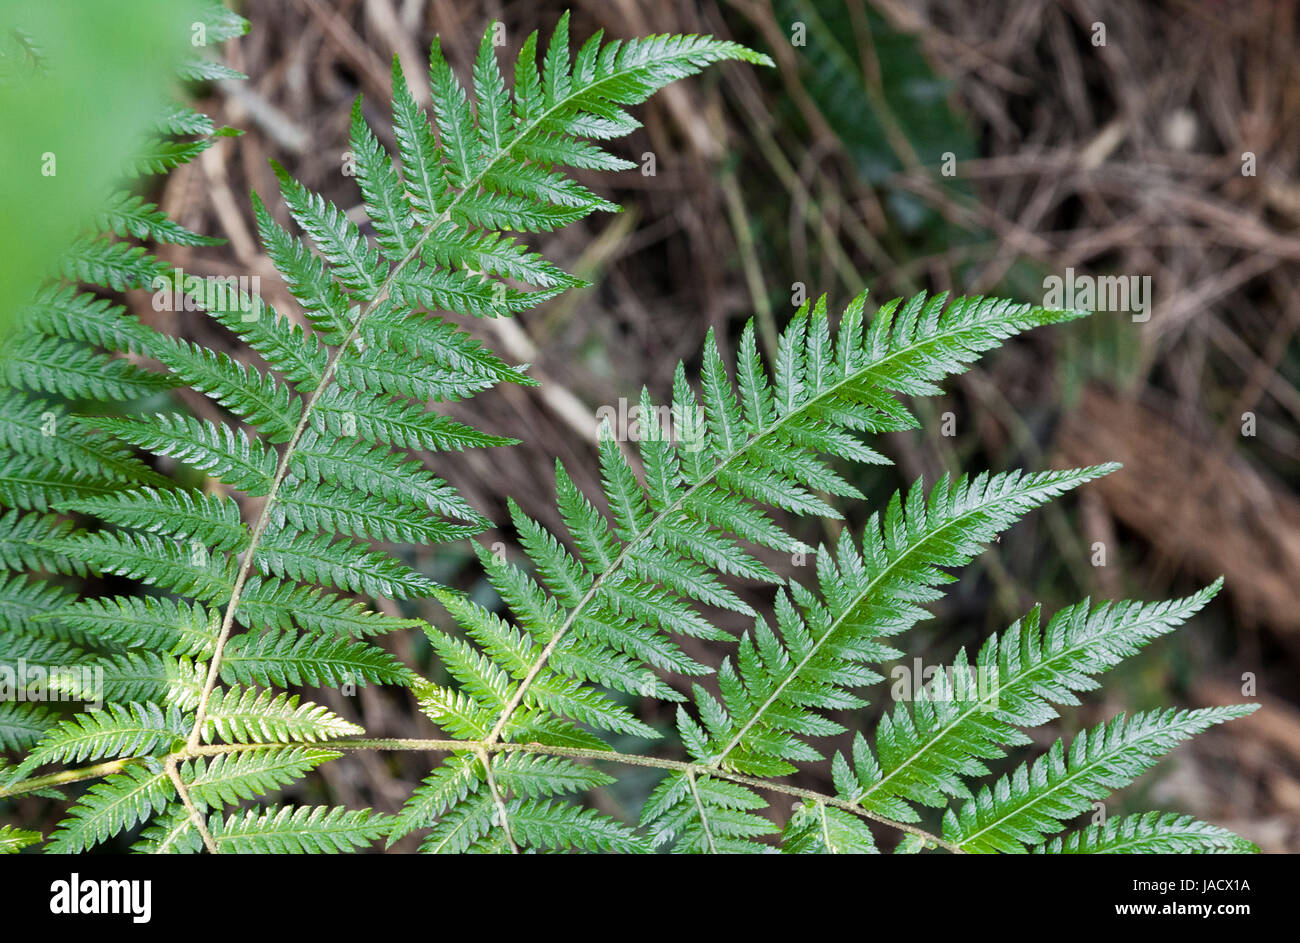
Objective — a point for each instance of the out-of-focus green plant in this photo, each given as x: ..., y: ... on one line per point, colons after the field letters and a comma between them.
x: 82, y: 86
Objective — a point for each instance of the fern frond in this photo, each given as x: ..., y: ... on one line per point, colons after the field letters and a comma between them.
x: 254, y: 395
x: 321, y: 560
x: 459, y: 829
x: 281, y: 605
x: 187, y: 570
x: 47, y: 432
x: 770, y: 693
x: 155, y: 624
x: 816, y: 829
x: 117, y: 730
x: 210, y: 519
x: 22, y: 725
x: 272, y: 551
x: 229, y: 778
x: 158, y: 155
x: 14, y: 840
x: 302, y: 830
x: 22, y: 538
x: 447, y: 786
x: 129, y: 215
x: 23, y: 600
x: 703, y: 815
x: 237, y: 715
x: 1022, y: 809
x: 276, y: 659
x: 63, y: 311
x: 75, y: 371
x: 1147, y: 834
x: 143, y: 676
x: 230, y: 455
x: 119, y: 265
x: 559, y: 826
x: 970, y: 713
x: 118, y: 803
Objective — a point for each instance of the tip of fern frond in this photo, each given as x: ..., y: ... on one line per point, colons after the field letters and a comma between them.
x: 1060, y: 315
x: 1237, y: 711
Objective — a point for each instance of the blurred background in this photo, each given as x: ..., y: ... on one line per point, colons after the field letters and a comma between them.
x: 897, y: 147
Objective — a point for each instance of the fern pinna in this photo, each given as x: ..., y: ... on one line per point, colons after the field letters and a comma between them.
x: 263, y: 551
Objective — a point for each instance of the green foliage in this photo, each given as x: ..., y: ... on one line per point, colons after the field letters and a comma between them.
x: 273, y: 559
x: 82, y: 90
x: 1024, y: 807
x: 14, y: 840
x: 301, y: 830
x: 1149, y: 833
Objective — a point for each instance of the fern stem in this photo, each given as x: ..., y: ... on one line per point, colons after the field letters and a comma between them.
x: 704, y: 818
x: 482, y: 746
x: 64, y: 778
x: 826, y: 829
x: 496, y: 798
x: 195, y: 816
x: 629, y: 759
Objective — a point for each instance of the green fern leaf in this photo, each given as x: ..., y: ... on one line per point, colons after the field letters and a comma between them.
x: 132, y: 729
x: 304, y: 830
x: 968, y: 714
x: 815, y: 829
x: 207, y: 518
x: 155, y: 624
x: 14, y: 840
x: 1147, y: 834
x: 237, y: 715
x: 118, y: 803
x: 280, y: 659
x: 229, y: 778
x: 22, y: 725
x: 1036, y: 800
